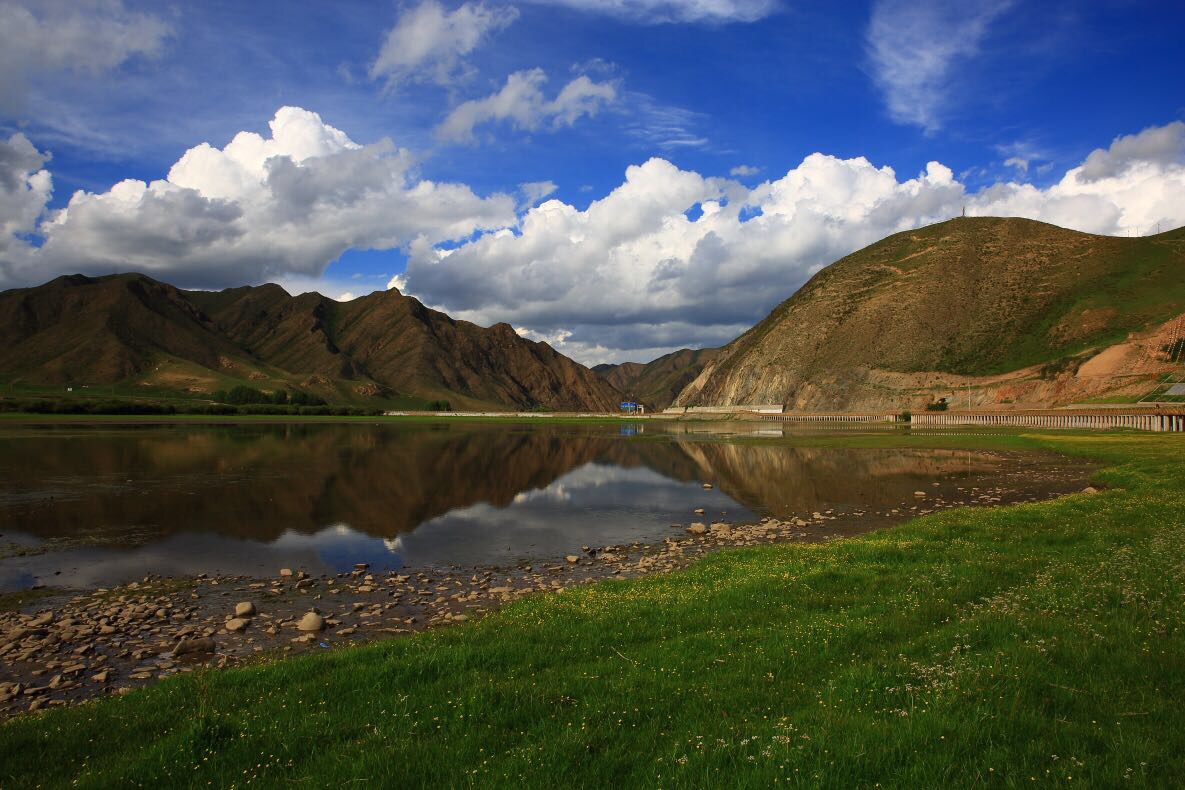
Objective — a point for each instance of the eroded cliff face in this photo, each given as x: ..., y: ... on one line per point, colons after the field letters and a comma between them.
x: 1010, y: 308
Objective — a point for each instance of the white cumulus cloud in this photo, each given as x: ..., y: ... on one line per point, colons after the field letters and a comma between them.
x: 429, y: 42
x: 521, y: 102
x: 1161, y: 145
x: 75, y: 36
x: 25, y: 189
x: 258, y: 208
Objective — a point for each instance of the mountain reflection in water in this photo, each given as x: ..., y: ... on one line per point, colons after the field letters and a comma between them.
x: 115, y: 503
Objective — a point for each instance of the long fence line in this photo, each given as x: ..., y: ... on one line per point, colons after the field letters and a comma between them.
x: 1144, y: 422
x: 830, y: 417
x: 1157, y: 421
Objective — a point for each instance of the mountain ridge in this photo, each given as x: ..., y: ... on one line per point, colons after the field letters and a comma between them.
x: 657, y: 383
x: 132, y: 329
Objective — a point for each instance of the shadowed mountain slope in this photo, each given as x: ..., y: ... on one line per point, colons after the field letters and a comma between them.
x: 78, y: 329
x: 125, y: 328
x: 656, y: 384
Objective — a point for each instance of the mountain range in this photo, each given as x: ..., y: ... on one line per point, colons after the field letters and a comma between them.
x: 659, y: 382
x: 986, y: 311
x: 131, y: 330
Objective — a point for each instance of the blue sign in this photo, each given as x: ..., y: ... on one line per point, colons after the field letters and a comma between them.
x: 628, y: 405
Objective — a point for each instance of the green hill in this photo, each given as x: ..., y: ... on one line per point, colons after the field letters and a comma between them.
x: 971, y: 296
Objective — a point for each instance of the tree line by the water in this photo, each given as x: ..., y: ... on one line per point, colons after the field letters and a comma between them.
x: 243, y: 395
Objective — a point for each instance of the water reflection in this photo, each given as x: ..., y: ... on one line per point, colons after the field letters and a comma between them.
x: 116, y: 503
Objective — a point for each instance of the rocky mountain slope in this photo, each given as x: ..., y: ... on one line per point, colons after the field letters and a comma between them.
x: 657, y: 383
x: 134, y: 331
x: 995, y: 310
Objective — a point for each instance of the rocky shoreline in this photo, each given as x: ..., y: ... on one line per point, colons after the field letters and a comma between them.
x: 73, y: 646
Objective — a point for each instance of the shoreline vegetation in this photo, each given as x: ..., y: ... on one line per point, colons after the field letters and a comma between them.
x: 1041, y: 642
x: 129, y: 408
x: 244, y: 402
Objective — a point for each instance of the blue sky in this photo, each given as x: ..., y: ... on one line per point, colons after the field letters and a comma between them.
x: 711, y: 102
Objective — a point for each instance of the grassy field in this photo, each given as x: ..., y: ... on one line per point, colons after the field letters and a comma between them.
x: 1037, y: 644
x: 139, y: 392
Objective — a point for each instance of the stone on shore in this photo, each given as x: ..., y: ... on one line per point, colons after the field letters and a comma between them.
x: 198, y: 645
x: 311, y: 622
x: 244, y: 609
x: 572, y: 558
x: 237, y: 623
x: 285, y: 572
x: 697, y: 528
x: 45, y: 618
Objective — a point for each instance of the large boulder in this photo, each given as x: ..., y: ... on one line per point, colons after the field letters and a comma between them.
x: 311, y: 622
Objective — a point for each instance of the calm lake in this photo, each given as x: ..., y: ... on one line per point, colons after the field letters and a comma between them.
x: 83, y: 506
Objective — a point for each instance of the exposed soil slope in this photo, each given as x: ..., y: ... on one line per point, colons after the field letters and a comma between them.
x: 966, y: 302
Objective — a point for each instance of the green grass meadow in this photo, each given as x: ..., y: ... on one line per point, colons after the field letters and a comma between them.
x: 1031, y: 645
